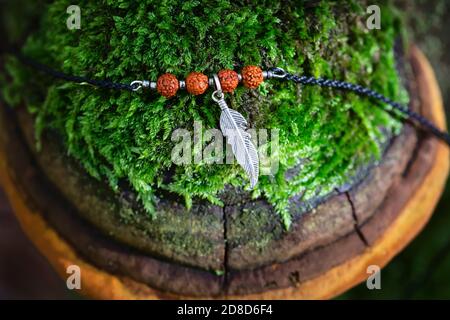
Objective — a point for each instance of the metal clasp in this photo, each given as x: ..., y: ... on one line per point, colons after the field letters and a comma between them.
x: 276, y: 72
x: 139, y: 84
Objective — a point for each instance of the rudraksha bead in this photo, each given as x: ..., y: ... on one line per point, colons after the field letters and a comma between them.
x: 252, y: 76
x: 167, y: 85
x: 196, y: 83
x: 229, y: 80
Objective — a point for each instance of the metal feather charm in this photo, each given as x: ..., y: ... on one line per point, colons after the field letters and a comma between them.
x: 234, y: 126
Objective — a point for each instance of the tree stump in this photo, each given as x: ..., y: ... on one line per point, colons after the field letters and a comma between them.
x: 326, y: 251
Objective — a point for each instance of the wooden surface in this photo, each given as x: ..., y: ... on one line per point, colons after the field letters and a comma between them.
x: 339, y: 278
x: 318, y: 239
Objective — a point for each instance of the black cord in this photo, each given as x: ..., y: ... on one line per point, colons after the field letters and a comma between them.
x: 363, y: 91
x: 77, y: 79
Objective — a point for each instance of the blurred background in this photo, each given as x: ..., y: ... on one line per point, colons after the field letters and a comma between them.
x: 422, y: 271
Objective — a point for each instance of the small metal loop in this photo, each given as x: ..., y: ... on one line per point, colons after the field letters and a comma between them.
x: 217, y: 95
x: 136, y: 85
x: 278, y: 73
x: 217, y: 84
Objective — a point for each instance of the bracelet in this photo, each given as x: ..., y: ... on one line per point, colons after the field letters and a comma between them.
x: 232, y: 124
x: 197, y: 83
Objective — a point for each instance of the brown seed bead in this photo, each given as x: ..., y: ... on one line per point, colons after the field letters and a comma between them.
x: 229, y: 80
x: 167, y: 85
x: 196, y: 83
x: 252, y: 76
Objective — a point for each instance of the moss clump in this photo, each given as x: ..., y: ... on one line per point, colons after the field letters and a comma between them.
x: 123, y: 136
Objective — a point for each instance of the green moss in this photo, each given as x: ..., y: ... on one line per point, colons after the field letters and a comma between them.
x: 127, y: 136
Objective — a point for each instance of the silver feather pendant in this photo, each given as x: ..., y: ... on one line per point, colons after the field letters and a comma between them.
x: 234, y: 127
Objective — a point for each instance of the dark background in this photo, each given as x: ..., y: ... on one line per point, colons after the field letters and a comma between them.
x: 420, y: 271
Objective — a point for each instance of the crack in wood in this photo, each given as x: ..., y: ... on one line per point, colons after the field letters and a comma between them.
x: 225, y: 283
x: 420, y: 139
x: 356, y: 220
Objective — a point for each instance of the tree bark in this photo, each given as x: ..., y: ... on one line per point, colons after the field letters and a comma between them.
x: 325, y: 252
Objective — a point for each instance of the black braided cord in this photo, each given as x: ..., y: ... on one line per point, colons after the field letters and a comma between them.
x: 363, y: 91
x: 305, y: 80
x: 77, y: 79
